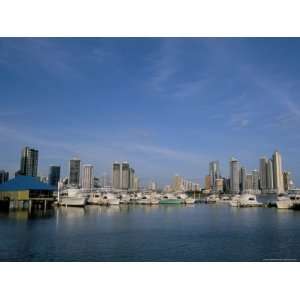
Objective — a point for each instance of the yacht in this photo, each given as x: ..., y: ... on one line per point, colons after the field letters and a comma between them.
x: 124, y: 198
x: 186, y: 199
x: 72, y: 197
x: 144, y: 199
x: 94, y: 198
x: 111, y: 199
x: 287, y: 201
x: 244, y: 200
x: 212, y: 198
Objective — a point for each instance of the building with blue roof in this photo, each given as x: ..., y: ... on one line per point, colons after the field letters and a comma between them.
x: 22, y: 188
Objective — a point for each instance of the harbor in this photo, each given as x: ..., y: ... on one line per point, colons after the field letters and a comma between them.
x: 172, y: 232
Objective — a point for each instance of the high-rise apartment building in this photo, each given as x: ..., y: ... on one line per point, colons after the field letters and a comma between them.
x: 214, y: 172
x: 29, y: 162
x: 116, y: 177
x: 263, y: 174
x: 287, y: 181
x: 242, y: 179
x: 54, y: 175
x: 234, y: 166
x: 219, y: 185
x: 123, y: 176
x: 4, y: 176
x: 177, y: 184
x: 270, y: 176
x: 74, y: 172
x: 87, y: 177
x: 249, y: 183
x: 277, y: 172
x: 207, y: 182
x: 255, y: 175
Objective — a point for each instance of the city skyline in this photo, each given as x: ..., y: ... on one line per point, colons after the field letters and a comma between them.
x: 149, y: 102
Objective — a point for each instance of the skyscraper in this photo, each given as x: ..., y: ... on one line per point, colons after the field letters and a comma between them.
x: 131, y: 178
x: 4, y: 176
x: 207, y: 182
x: 277, y: 172
x: 263, y: 174
x: 54, y: 175
x: 125, y: 176
x: 270, y: 176
x: 287, y: 181
x: 74, y: 174
x: 249, y: 183
x: 242, y: 179
x: 177, y: 184
x: 214, y: 172
x: 234, y: 166
x: 116, y: 177
x: 88, y: 177
x: 255, y: 178
x: 29, y: 162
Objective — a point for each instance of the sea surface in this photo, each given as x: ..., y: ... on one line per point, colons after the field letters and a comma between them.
x: 199, y: 232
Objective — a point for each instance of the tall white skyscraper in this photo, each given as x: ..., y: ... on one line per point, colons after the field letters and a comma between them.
x: 278, y: 172
x: 234, y: 166
x: 87, y: 177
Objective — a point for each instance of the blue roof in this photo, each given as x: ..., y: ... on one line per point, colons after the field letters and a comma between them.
x: 21, y: 183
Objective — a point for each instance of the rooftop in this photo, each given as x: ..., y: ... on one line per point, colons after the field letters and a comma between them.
x: 21, y: 183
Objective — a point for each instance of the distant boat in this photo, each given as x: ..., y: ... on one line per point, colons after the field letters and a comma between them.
x: 170, y: 199
x: 212, y: 199
x: 72, y: 197
x: 111, y: 199
x: 245, y: 200
x: 288, y: 201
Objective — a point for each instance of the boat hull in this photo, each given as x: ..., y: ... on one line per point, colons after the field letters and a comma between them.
x: 170, y: 201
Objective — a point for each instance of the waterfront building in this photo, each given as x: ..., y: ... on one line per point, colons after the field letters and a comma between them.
x: 214, y: 172
x: 263, y: 174
x: 255, y: 175
x: 177, y: 184
x: 242, y: 179
x: 116, y: 175
x: 87, y: 177
x: 249, y: 183
x: 54, y: 175
x: 131, y: 178
x: 4, y: 176
x: 208, y: 182
x: 125, y: 176
x: 74, y: 172
x: 277, y: 172
x: 226, y: 185
x: 29, y: 162
x: 24, y: 188
x: 287, y: 181
x: 219, y: 185
x: 270, y: 176
x: 136, y: 183
x: 234, y: 166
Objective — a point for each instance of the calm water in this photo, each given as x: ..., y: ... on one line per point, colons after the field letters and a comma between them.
x: 199, y: 232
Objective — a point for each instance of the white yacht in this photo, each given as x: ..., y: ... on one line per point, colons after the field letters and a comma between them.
x: 144, y: 199
x: 111, y: 199
x: 287, y: 201
x: 244, y: 200
x: 94, y: 198
x: 186, y: 199
x: 72, y: 197
x: 124, y: 198
x: 212, y: 198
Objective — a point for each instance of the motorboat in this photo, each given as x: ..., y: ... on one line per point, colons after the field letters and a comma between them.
x: 186, y: 199
x: 212, y: 198
x: 288, y: 201
x: 111, y: 199
x: 94, y: 198
x: 124, y: 198
x: 245, y: 200
x: 72, y: 197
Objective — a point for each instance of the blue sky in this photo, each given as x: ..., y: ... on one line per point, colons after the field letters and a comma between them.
x: 166, y: 105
